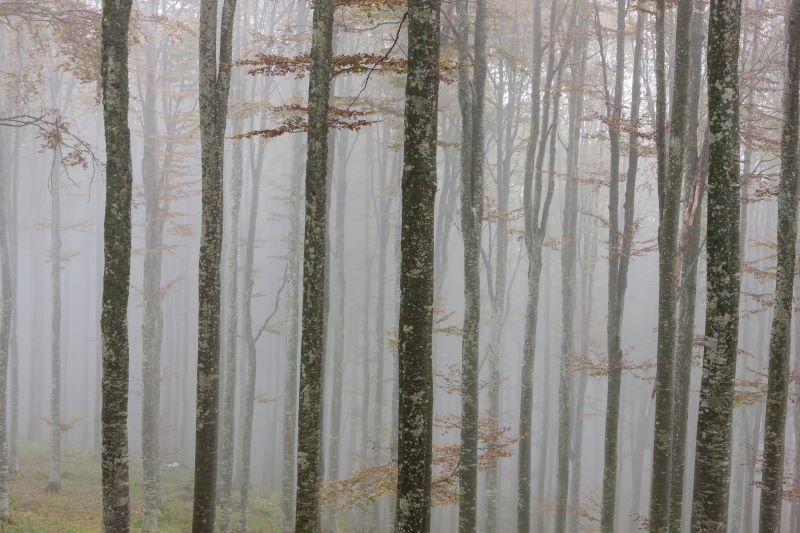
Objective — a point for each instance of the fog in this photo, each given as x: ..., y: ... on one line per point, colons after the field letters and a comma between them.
x: 53, y: 169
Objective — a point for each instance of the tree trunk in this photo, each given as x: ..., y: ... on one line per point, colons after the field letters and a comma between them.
x: 781, y: 334
x: 384, y: 215
x: 588, y: 263
x: 535, y: 225
x: 152, y: 316
x: 54, y: 482
x: 415, y: 405
x: 312, y: 344
x: 214, y: 87
x: 249, y: 379
x: 231, y: 339
x: 669, y: 207
x: 6, y: 311
x: 292, y: 320
x: 695, y: 169
x: 471, y: 99
x: 712, y: 467
x: 569, y: 258
x: 12, y: 222
x: 116, y: 273
x: 615, y: 302
x: 338, y: 320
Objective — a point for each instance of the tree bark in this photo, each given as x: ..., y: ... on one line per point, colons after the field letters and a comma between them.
x: 712, y: 467
x: 669, y: 208
x: 116, y: 272
x: 695, y: 170
x: 415, y: 402
x: 781, y: 334
x: 214, y: 87
x: 312, y: 344
x: 472, y: 102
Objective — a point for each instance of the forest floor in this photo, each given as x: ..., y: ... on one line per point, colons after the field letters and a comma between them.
x: 76, y: 509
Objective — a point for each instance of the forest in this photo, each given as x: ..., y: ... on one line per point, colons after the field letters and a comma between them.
x: 399, y: 265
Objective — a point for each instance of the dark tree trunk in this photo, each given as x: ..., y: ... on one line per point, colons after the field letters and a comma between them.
x: 781, y: 334
x: 472, y: 103
x: 415, y: 405
x: 669, y: 197
x: 214, y: 87
x: 312, y: 343
x: 712, y: 467
x: 695, y: 169
x: 116, y: 273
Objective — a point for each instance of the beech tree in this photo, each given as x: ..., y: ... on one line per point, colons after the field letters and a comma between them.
x: 418, y: 191
x: 471, y: 93
x: 116, y: 273
x: 312, y: 335
x: 215, y: 63
x: 712, y: 466
x: 670, y: 174
x: 780, y: 335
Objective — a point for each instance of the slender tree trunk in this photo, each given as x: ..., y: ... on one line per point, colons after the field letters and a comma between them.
x: 614, y: 324
x: 471, y: 98
x: 312, y: 345
x: 13, y: 225
x: 366, y: 347
x: 231, y: 339
x: 505, y: 121
x: 54, y: 482
x: 116, y: 273
x: 534, y: 235
x: 781, y: 334
x: 669, y: 208
x: 249, y: 379
x: 415, y: 409
x: 588, y: 262
x: 569, y: 258
x: 6, y: 311
x: 695, y: 169
x: 292, y: 338
x: 712, y: 466
x: 384, y: 214
x: 542, y: 469
x: 214, y: 87
x: 338, y: 320
x: 152, y: 317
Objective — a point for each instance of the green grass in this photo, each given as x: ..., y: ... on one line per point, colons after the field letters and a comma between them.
x: 76, y: 509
